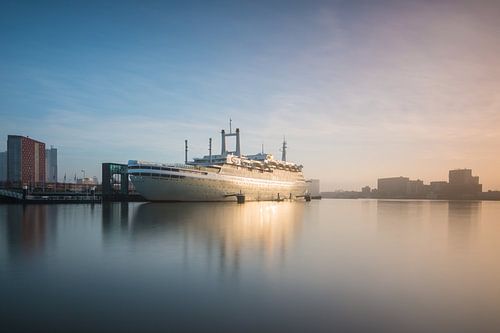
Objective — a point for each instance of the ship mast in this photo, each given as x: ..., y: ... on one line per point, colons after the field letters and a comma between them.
x: 224, y: 151
x: 210, y: 150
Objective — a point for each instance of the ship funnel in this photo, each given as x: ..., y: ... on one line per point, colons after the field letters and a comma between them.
x: 223, y: 142
x: 238, y: 149
x: 283, y: 151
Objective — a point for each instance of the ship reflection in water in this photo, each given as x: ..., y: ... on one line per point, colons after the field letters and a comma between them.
x: 327, y: 265
x: 220, y: 235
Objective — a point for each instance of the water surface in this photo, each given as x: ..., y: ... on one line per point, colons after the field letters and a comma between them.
x: 319, y: 266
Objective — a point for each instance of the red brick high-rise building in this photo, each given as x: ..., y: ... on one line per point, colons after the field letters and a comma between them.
x: 25, y: 160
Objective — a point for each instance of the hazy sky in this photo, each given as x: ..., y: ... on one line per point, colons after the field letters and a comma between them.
x: 361, y: 89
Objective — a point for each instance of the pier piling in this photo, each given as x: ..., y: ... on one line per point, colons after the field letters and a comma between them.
x: 240, y: 198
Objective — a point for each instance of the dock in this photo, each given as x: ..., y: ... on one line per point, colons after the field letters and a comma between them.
x: 23, y: 197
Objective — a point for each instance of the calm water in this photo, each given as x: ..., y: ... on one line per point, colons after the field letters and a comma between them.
x: 320, y: 266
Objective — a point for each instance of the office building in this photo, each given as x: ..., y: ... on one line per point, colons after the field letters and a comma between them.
x: 462, y: 177
x: 393, y: 186
x: 25, y: 160
x: 51, y: 165
x: 438, y: 187
x: 462, y: 185
x: 462, y: 182
x: 3, y: 166
x: 415, y: 188
x: 313, y: 187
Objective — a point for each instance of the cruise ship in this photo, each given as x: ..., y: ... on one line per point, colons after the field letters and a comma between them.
x: 229, y: 176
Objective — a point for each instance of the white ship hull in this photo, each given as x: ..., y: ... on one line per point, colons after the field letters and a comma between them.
x: 218, y: 188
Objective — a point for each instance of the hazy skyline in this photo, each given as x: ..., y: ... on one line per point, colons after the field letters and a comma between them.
x: 361, y: 89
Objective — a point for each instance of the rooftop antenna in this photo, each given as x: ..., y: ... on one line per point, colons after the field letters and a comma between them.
x: 230, y: 126
x: 262, y: 149
x: 283, y: 150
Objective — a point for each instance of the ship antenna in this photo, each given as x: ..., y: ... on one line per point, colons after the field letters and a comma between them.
x: 210, y: 149
x: 186, y: 151
x: 262, y: 149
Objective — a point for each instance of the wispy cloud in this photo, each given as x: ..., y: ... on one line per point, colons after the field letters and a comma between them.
x: 359, y: 89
